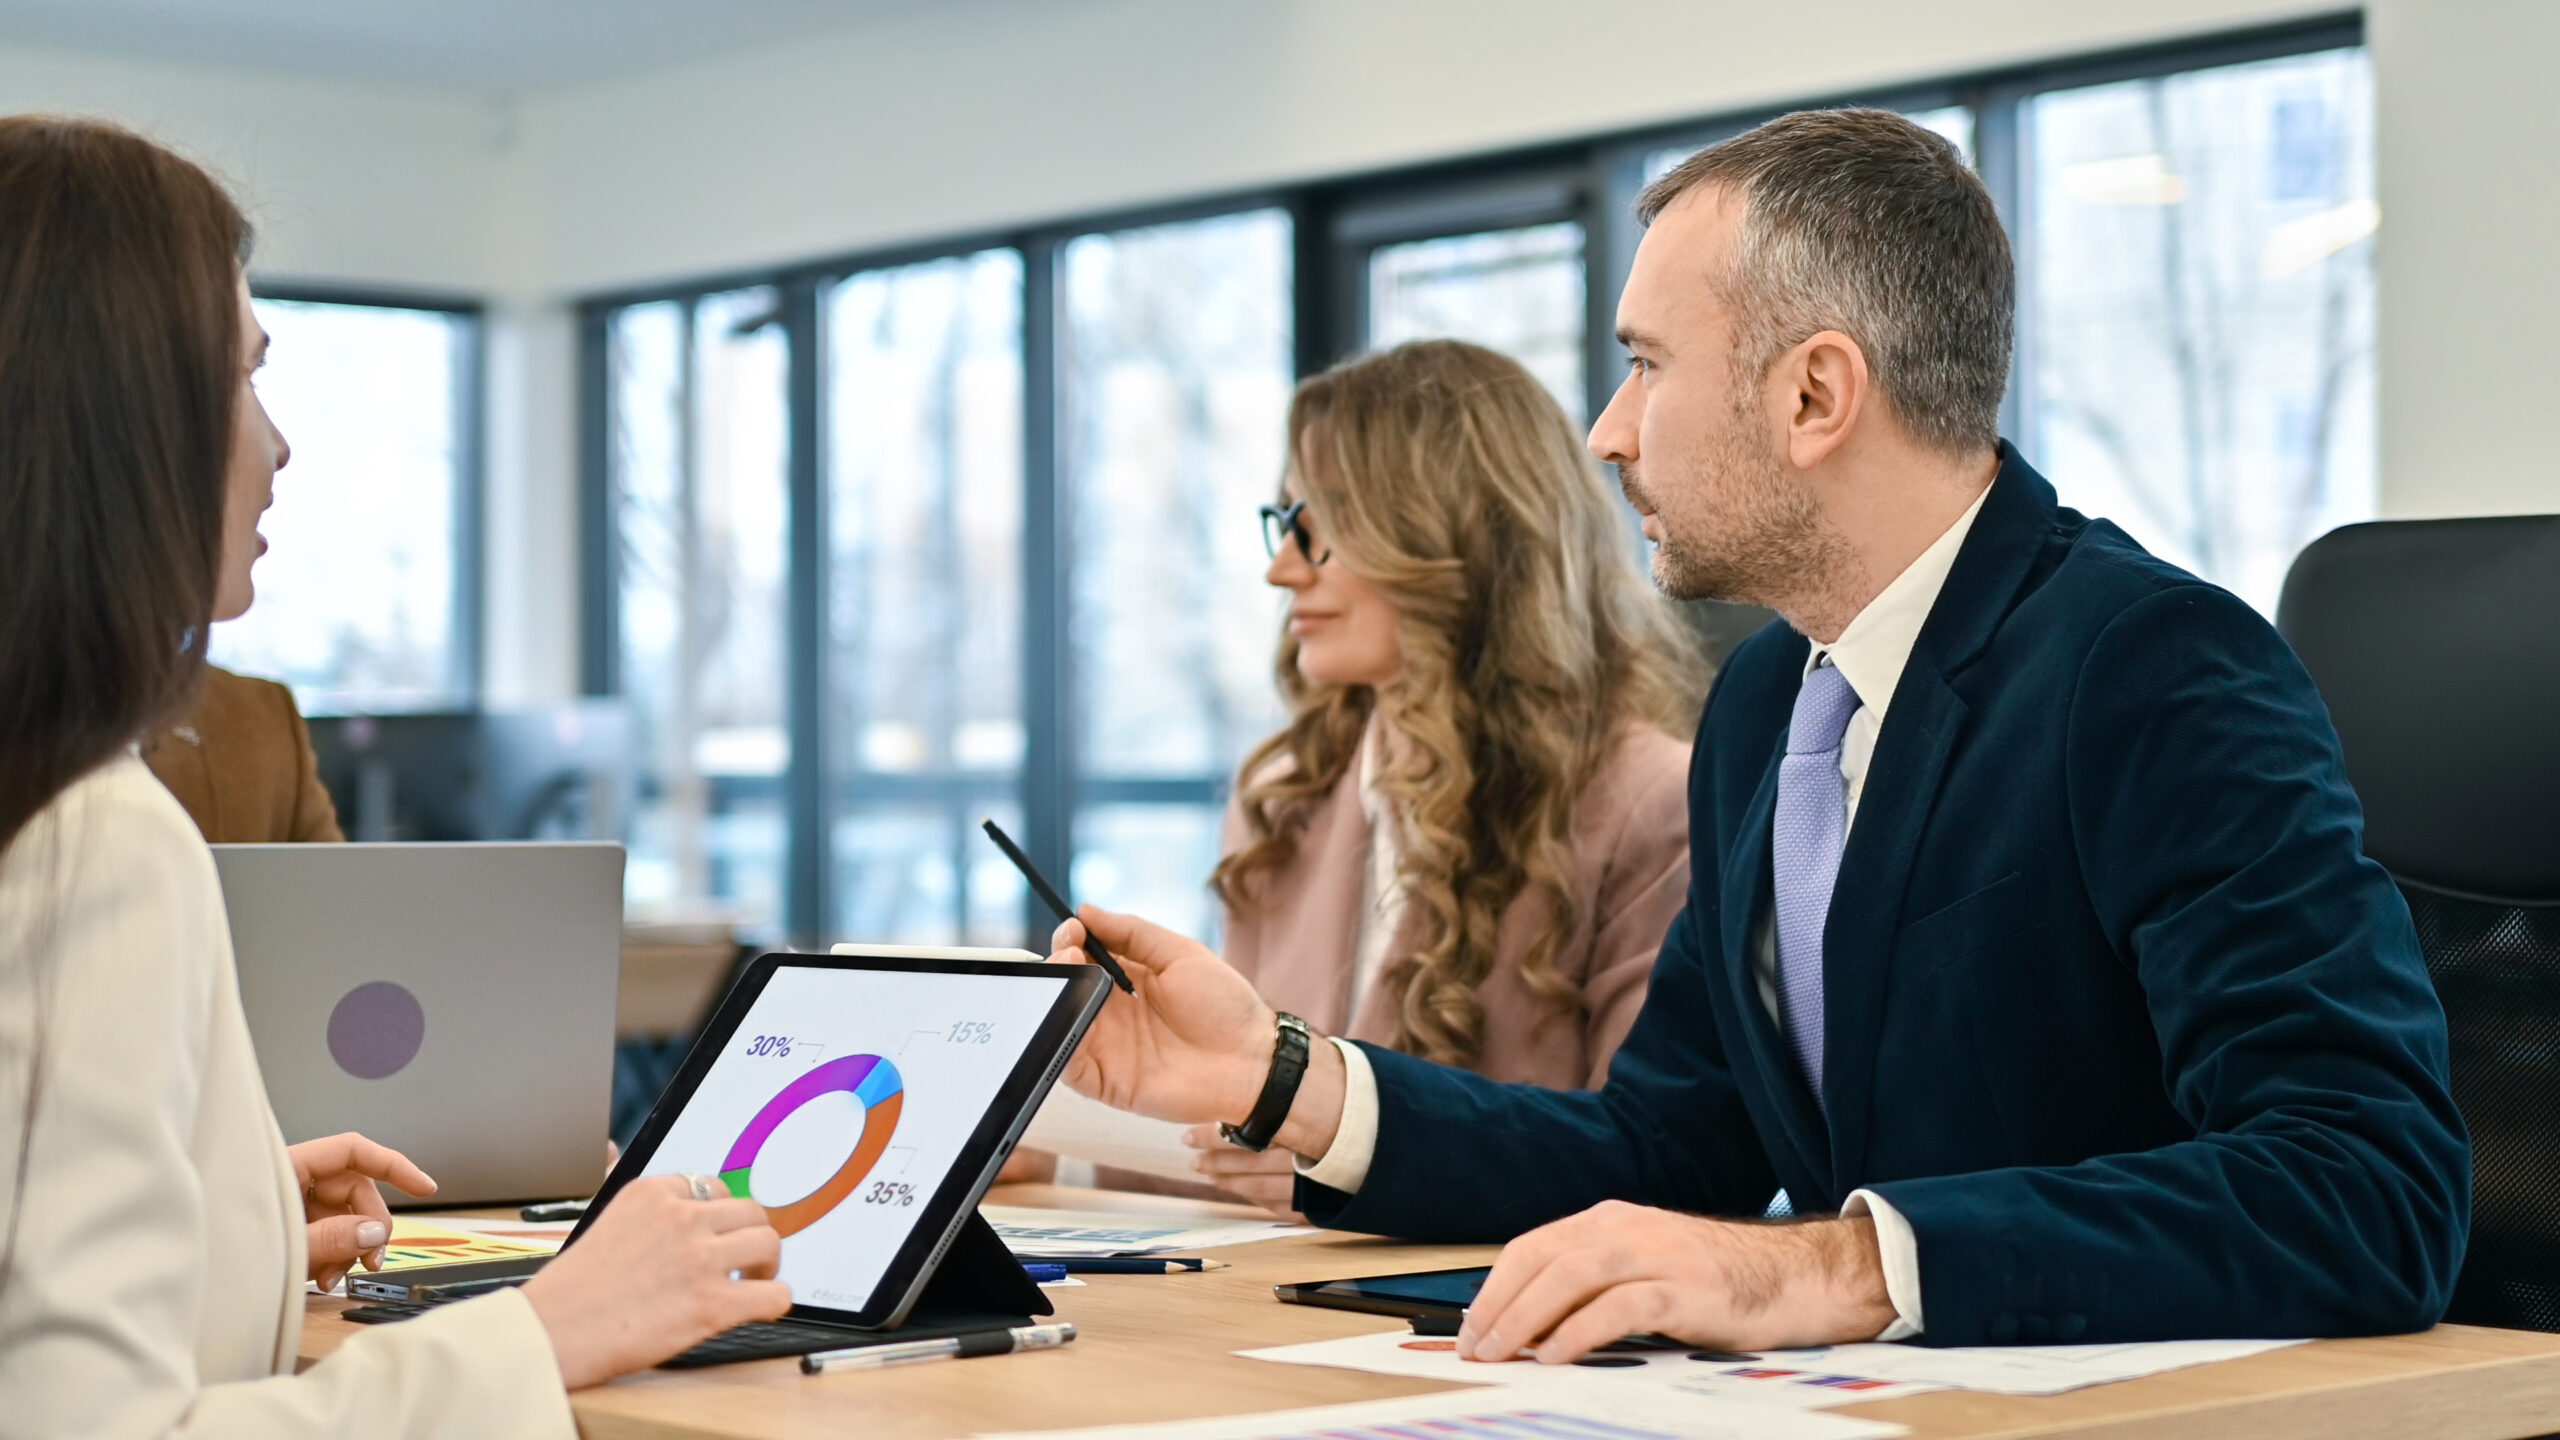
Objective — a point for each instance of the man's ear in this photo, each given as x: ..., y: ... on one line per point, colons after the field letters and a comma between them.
x: 1832, y: 388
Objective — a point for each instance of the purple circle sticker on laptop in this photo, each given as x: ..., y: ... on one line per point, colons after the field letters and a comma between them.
x: 376, y: 1029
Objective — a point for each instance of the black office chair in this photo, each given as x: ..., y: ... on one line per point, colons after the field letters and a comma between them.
x: 2437, y: 646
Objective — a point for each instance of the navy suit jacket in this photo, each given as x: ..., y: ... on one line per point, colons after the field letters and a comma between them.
x: 2116, y: 1012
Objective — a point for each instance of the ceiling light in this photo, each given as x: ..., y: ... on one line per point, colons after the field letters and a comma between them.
x: 2130, y: 180
x: 2297, y: 245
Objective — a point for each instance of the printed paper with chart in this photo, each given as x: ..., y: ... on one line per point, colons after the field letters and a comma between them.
x: 1699, y: 1375
x: 840, y: 1102
x: 1585, y: 1414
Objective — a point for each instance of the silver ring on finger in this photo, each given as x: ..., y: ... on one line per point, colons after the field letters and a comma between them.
x: 705, y: 1187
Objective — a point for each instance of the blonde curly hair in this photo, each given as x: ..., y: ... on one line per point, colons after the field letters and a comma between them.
x: 1446, y: 475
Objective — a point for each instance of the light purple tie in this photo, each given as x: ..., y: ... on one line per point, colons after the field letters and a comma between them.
x: 1805, y: 837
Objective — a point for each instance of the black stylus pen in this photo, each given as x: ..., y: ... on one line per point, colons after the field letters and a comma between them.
x: 1049, y: 895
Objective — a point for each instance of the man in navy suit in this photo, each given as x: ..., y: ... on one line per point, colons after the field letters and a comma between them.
x: 2030, y: 944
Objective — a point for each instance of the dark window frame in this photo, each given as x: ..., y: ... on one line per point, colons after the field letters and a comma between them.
x: 1337, y: 223
x: 468, y: 667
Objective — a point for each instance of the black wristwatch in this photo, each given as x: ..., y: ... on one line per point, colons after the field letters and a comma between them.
x: 1279, y: 1088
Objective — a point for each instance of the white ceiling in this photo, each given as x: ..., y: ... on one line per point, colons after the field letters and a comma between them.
x: 475, y: 44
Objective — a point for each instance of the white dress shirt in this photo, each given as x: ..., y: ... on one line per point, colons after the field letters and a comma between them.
x: 1870, y: 654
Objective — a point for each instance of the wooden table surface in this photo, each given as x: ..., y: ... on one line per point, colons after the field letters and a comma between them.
x: 1160, y: 1348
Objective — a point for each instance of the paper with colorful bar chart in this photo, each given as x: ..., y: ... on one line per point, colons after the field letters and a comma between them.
x: 1587, y: 1413
x: 1698, y: 1374
x: 414, y: 1243
x: 1806, y: 1379
x: 840, y: 1103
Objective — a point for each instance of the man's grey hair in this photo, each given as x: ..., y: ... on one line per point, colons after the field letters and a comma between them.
x: 1863, y: 222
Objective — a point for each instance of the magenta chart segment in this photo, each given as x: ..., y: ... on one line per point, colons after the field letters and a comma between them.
x: 871, y: 1079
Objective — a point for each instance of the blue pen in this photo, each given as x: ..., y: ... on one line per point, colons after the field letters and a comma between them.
x: 1045, y: 1274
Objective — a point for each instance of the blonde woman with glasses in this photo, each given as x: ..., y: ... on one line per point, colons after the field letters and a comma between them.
x: 1472, y: 833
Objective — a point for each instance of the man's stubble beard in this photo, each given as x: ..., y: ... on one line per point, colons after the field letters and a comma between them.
x: 1740, y: 529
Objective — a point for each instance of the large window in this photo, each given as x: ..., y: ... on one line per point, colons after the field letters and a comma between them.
x: 2200, y: 303
x: 924, y: 620
x: 1520, y: 291
x: 364, y: 595
x: 697, y: 458
x: 1121, y: 532
x: 1174, y: 375
x: 886, y: 544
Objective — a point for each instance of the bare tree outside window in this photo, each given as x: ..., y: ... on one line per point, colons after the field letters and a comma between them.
x: 698, y: 468
x: 1174, y: 375
x: 924, y: 367
x: 1516, y: 291
x: 357, y: 595
x: 2201, y: 308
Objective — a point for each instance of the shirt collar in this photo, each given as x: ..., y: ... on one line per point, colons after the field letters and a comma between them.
x: 1877, y: 644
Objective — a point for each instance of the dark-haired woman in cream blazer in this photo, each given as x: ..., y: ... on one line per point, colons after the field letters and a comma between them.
x: 156, y: 1233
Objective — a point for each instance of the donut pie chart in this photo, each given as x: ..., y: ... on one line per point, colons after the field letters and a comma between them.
x: 870, y: 1079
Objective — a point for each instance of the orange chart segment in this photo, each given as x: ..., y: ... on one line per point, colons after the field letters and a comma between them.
x: 870, y: 1079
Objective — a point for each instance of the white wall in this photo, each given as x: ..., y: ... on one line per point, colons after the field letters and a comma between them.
x: 2469, y: 254
x: 530, y: 592
x: 362, y: 183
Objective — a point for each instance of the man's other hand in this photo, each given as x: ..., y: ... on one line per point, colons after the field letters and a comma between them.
x: 1566, y: 1289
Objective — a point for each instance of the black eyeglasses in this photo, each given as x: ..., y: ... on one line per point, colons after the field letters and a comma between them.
x: 1283, y: 523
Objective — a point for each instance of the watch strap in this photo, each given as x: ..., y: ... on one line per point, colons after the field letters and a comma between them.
x: 1279, y: 1088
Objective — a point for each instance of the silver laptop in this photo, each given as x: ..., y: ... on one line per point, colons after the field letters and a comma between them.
x: 453, y: 1001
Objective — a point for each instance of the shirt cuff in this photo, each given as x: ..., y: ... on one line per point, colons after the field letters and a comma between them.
x: 1901, y: 1252
x: 1355, y: 1140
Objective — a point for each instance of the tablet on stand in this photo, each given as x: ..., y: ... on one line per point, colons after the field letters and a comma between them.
x: 867, y: 1100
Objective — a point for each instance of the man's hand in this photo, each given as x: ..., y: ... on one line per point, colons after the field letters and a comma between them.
x: 343, y: 1206
x: 1193, y: 1044
x: 1616, y: 1269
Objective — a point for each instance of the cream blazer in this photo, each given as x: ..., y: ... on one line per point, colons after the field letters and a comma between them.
x: 155, y: 1283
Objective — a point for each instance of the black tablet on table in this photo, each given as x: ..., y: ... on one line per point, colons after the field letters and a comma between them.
x: 1437, y: 1300
x: 1417, y: 1295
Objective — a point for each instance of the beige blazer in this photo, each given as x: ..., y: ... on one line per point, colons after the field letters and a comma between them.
x: 1630, y: 844
x: 156, y: 1279
x: 241, y: 763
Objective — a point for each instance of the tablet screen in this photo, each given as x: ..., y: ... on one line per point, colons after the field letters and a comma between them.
x: 1452, y: 1289
x: 840, y: 1102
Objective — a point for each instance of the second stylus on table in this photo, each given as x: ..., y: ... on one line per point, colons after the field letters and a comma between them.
x: 1118, y: 1264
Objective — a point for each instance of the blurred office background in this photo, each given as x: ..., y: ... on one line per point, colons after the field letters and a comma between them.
x: 779, y: 434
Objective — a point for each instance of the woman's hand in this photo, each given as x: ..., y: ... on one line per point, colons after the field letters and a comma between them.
x: 343, y: 1205
x: 653, y: 1276
x: 1193, y: 1044
x: 1268, y: 1178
